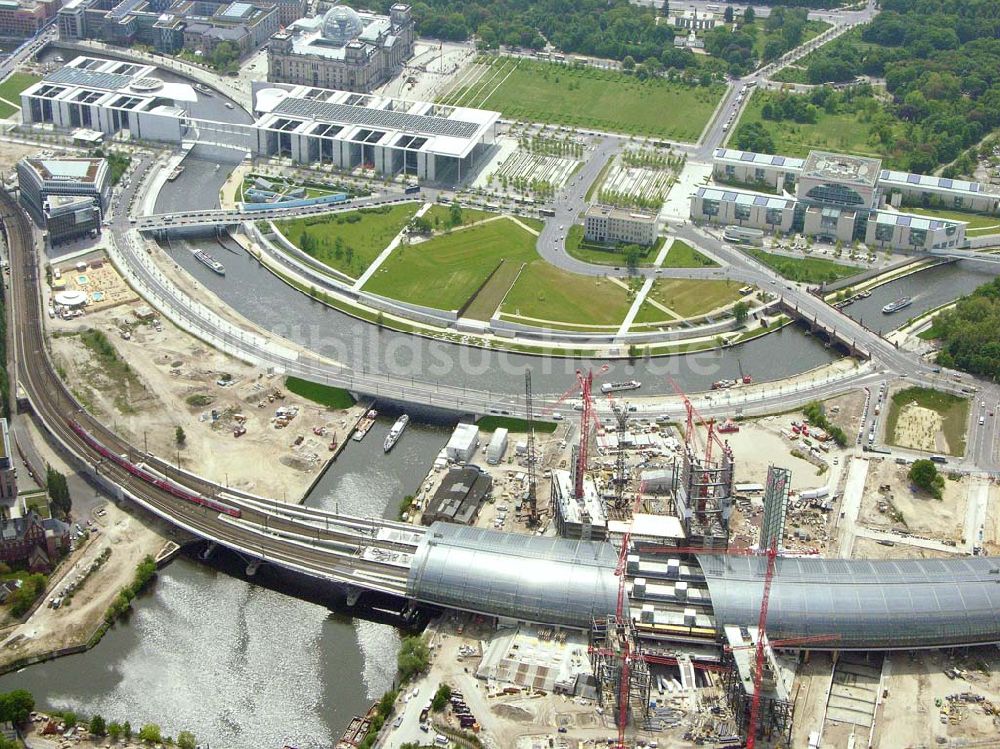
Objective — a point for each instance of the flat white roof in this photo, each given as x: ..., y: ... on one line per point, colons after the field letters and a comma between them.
x: 136, y: 80
x: 743, y: 197
x: 644, y: 524
x: 731, y: 155
x: 914, y: 222
x: 906, y: 179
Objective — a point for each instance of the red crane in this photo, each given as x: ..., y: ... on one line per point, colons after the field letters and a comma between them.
x: 788, y: 642
x: 758, y: 673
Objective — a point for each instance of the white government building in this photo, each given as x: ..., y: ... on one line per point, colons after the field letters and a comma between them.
x: 309, y: 125
x: 836, y: 197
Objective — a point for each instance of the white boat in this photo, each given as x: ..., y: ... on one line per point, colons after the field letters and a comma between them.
x: 207, y: 260
x: 614, y: 387
x: 897, y: 305
x: 396, y: 432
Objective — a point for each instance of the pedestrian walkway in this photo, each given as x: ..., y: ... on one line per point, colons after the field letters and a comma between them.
x: 384, y: 255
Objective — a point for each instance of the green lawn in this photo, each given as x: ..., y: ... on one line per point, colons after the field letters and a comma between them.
x: 979, y: 223
x: 492, y: 423
x: 687, y: 297
x: 325, y: 395
x: 545, y: 292
x: 600, y: 99
x: 590, y: 253
x: 954, y: 412
x: 445, y: 271
x: 843, y: 132
x: 363, y: 235
x: 683, y: 255
x: 440, y: 216
x: 804, y: 269
x: 11, y: 90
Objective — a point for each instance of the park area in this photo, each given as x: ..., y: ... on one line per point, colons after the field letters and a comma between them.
x: 677, y: 298
x: 587, y: 97
x: 804, y: 269
x: 10, y: 92
x: 928, y: 420
x: 842, y: 132
x: 447, y: 270
x: 348, y: 242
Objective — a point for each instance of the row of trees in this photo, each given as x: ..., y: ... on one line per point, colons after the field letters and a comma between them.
x: 783, y: 30
x: 970, y: 332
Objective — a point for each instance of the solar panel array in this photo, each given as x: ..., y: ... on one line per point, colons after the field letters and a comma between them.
x: 80, y: 77
x: 377, y: 118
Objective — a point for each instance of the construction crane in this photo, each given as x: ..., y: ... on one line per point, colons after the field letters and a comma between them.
x: 788, y: 642
x: 529, y: 416
x: 584, y: 384
x: 758, y: 672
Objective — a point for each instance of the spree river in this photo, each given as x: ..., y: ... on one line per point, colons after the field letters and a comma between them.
x: 242, y: 665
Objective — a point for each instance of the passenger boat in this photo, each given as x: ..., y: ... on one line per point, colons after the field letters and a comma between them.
x: 723, y: 384
x: 210, y: 262
x: 614, y: 387
x: 364, y: 426
x: 396, y: 432
x: 175, y: 173
x: 897, y: 305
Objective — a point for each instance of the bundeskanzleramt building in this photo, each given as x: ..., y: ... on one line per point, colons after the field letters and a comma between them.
x: 20, y: 19
x: 172, y: 25
x: 66, y: 197
x: 342, y: 49
x: 608, y: 225
x: 836, y: 198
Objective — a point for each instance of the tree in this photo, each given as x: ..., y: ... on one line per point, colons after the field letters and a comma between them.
x: 628, y: 63
x: 97, y: 726
x: 925, y: 475
x: 179, y: 437
x: 420, y: 224
x: 224, y: 55
x: 58, y: 489
x: 441, y: 697
x: 114, y: 730
x: 741, y: 310
x: 749, y: 15
x: 753, y: 136
x: 69, y: 718
x: 665, y: 8
x: 727, y: 14
x: 455, y: 215
x: 186, y: 740
x: 150, y: 733
x: 633, y: 254
x: 16, y: 706
x: 127, y: 730
x: 414, y: 656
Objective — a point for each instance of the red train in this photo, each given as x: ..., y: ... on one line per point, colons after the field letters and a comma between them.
x: 151, y: 478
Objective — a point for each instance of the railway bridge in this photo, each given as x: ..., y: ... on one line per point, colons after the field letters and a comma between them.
x: 866, y: 605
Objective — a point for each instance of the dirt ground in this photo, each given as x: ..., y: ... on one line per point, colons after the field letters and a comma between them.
x: 888, y: 491
x: 11, y: 153
x: 909, y: 716
x: 867, y: 548
x: 760, y: 443
x: 178, y: 384
x: 812, y: 682
x: 991, y: 531
x: 919, y: 428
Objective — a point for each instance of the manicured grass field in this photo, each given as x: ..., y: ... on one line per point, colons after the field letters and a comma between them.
x: 979, y: 223
x: 492, y: 423
x: 592, y: 98
x: 683, y: 255
x: 11, y: 90
x: 363, y: 235
x: 445, y: 271
x: 440, y: 216
x: 804, y: 269
x: 843, y: 133
x: 545, y: 292
x: 954, y: 412
x: 687, y: 297
x: 325, y: 395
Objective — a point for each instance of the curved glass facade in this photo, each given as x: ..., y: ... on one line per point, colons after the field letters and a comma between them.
x: 532, y: 578
x: 868, y: 604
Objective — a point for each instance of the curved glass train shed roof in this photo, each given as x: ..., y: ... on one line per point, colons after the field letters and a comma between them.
x: 531, y: 578
x: 870, y: 605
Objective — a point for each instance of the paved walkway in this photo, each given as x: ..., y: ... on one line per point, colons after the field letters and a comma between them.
x: 384, y: 255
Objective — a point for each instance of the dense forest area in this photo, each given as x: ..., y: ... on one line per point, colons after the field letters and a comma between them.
x: 970, y: 332
x: 941, y: 63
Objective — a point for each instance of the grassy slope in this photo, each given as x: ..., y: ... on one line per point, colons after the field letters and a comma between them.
x: 367, y: 237
x: 445, y: 271
x: 11, y: 90
x: 548, y: 293
x: 325, y: 395
x: 688, y: 298
x: 606, y: 100
x: 492, y: 423
x: 683, y: 255
x: 954, y: 412
x: 804, y: 269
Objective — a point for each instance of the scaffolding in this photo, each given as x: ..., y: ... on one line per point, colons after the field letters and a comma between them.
x: 703, y: 495
x: 776, y: 707
x: 772, y: 528
x: 614, y: 652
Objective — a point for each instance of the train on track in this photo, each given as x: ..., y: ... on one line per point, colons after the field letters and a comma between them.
x: 148, y: 476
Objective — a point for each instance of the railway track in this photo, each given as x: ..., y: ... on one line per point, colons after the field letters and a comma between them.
x: 330, y: 547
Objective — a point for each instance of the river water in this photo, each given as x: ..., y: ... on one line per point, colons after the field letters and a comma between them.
x: 240, y: 664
